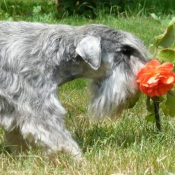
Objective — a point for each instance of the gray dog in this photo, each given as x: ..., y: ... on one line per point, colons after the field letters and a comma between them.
x: 37, y: 58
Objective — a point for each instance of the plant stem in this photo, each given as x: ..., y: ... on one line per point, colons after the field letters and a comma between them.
x: 156, y: 110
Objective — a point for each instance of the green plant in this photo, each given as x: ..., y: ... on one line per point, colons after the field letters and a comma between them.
x: 156, y: 80
x: 89, y: 8
x: 28, y: 10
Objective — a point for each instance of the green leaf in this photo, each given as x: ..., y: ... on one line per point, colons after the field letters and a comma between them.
x: 149, y: 105
x: 172, y: 21
x: 164, y: 109
x: 172, y: 92
x: 133, y: 101
x: 163, y: 106
x: 166, y: 39
x: 36, y: 9
x: 170, y: 103
x: 150, y: 118
x: 166, y: 55
x: 155, y: 17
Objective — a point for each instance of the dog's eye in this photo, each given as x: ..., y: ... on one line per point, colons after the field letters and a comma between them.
x: 127, y: 50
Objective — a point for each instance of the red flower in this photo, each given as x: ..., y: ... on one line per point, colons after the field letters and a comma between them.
x: 155, y: 79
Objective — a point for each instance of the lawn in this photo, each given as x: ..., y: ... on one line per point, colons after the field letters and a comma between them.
x: 128, y: 146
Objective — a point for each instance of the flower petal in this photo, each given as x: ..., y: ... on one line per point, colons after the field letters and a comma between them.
x: 163, y: 89
x: 155, y: 79
x: 166, y: 67
x: 168, y: 80
x: 153, y: 63
x: 152, y: 80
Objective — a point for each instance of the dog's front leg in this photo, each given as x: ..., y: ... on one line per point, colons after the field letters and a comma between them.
x: 41, y: 135
x: 46, y: 128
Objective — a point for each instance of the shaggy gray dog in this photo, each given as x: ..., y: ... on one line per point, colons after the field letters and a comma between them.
x: 37, y: 58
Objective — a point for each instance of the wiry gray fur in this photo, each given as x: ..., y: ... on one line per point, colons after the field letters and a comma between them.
x: 37, y: 58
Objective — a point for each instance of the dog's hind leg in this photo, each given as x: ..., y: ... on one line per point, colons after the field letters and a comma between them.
x: 12, y: 137
x: 49, y: 143
x: 15, y: 141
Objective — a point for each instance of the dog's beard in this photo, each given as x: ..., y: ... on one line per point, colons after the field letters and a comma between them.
x: 112, y: 94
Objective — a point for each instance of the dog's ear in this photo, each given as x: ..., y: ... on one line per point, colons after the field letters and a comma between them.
x: 89, y: 48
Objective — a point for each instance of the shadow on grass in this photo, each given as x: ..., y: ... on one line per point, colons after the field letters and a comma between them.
x: 123, y: 134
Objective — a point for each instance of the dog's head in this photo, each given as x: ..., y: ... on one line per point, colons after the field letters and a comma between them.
x: 115, y: 58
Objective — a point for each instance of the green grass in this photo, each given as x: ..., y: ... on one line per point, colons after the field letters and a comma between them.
x: 128, y: 146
